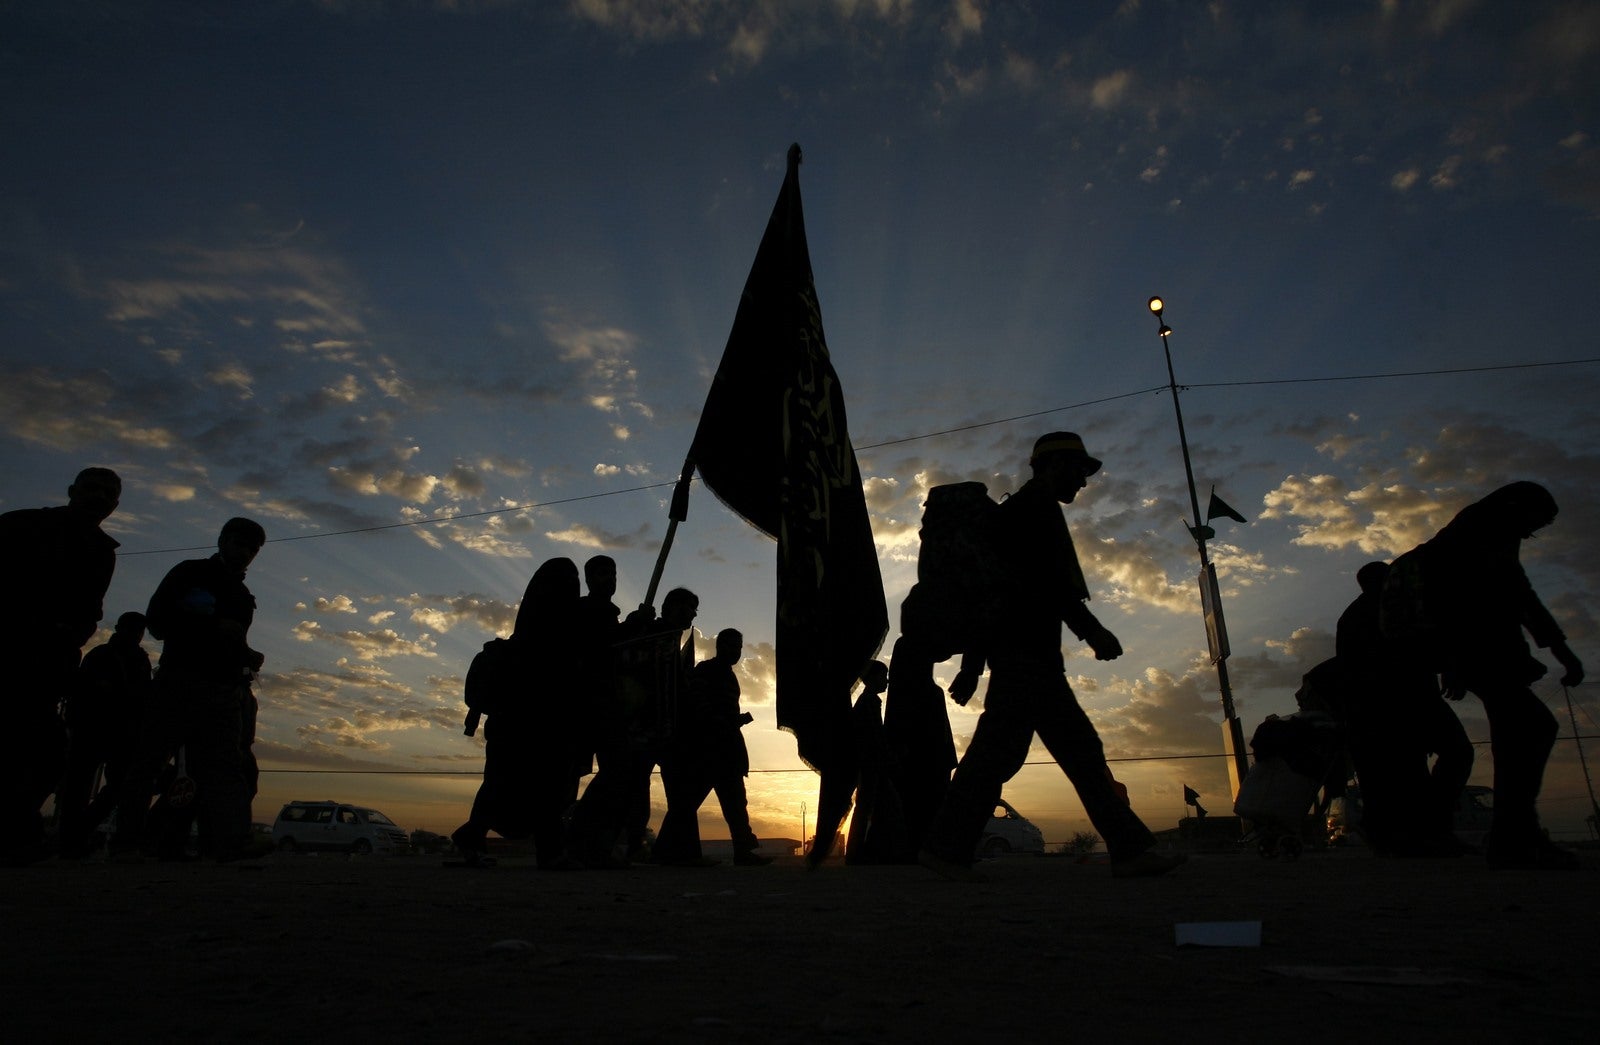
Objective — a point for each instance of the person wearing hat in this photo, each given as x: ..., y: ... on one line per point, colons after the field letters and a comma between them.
x: 1042, y: 587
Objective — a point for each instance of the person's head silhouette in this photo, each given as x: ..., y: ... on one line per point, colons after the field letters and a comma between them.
x: 1061, y: 462
x: 95, y: 494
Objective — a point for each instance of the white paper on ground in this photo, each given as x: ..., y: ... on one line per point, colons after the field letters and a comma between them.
x: 1219, y: 934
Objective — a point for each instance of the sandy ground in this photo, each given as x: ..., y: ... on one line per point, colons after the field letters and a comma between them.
x: 1352, y: 948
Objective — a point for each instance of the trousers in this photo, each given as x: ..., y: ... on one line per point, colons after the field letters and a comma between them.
x: 1028, y: 697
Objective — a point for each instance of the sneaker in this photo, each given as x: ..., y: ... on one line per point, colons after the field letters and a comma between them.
x: 1147, y: 864
x: 751, y: 859
x: 949, y: 869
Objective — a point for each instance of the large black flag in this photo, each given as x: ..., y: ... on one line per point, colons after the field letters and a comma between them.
x: 773, y: 446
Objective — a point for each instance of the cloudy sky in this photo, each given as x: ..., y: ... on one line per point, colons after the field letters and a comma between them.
x: 434, y: 290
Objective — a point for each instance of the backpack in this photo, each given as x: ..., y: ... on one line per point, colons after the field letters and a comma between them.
x: 959, y: 567
x: 493, y: 673
x: 1408, y: 610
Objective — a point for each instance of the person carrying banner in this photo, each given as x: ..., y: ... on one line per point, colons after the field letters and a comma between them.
x: 1042, y: 587
x: 708, y: 754
x: 615, y: 807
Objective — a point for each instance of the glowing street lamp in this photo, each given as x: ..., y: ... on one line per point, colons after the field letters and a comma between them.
x: 1210, y: 596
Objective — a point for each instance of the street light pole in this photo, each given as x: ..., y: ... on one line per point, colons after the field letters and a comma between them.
x: 1210, y: 597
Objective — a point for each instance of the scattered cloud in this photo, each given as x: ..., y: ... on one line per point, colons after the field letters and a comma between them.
x: 1109, y: 91
x: 441, y: 613
x: 378, y: 644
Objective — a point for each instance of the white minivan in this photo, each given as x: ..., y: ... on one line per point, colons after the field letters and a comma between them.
x: 1009, y: 832
x: 336, y: 827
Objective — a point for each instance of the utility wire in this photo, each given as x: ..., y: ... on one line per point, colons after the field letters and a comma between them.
x: 1382, y: 376
x: 754, y: 770
x: 1391, y: 374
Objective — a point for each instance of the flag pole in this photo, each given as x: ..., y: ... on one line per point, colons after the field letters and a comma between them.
x: 677, y: 512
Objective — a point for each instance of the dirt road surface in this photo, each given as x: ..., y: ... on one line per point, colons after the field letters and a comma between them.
x: 402, y: 948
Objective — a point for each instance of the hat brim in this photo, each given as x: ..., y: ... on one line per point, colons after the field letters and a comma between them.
x: 1090, y: 465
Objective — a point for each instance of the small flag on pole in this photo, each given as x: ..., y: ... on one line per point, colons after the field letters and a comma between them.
x: 1219, y: 507
x: 1191, y: 797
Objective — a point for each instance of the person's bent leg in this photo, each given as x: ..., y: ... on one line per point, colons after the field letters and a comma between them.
x: 81, y: 768
x: 1444, y: 735
x: 1072, y: 740
x: 735, y: 806
x: 998, y: 748
x: 686, y: 787
x: 1522, y: 732
x: 217, y: 764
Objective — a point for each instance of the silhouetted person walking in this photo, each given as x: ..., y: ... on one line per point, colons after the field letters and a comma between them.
x: 104, y: 713
x: 636, y: 726
x: 1042, y: 586
x: 55, y: 565
x: 202, y: 612
x: 1468, y: 589
x: 531, y: 733
x: 921, y: 750
x: 707, y: 754
x: 598, y: 620
x: 878, y: 832
x: 1394, y: 719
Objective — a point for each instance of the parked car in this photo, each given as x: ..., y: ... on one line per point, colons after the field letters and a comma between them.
x: 430, y: 842
x: 1009, y: 832
x: 336, y: 827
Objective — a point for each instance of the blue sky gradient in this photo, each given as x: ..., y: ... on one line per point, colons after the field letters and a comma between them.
x: 344, y: 265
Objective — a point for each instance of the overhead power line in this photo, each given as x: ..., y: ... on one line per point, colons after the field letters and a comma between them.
x: 793, y: 769
x: 438, y: 520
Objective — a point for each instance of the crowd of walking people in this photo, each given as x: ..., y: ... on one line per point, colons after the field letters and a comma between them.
x: 578, y: 690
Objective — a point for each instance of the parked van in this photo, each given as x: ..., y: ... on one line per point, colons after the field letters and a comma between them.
x: 336, y: 827
x: 1009, y: 832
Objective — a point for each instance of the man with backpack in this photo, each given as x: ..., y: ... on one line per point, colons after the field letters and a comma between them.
x: 1040, y: 586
